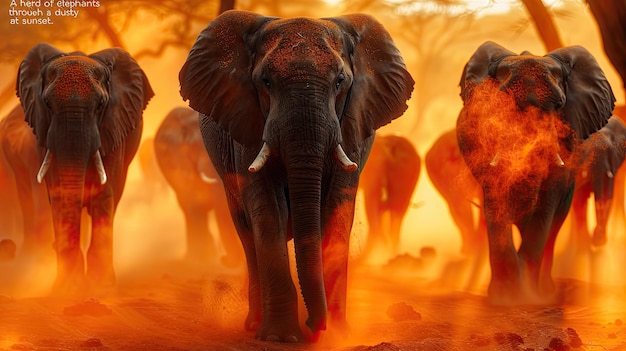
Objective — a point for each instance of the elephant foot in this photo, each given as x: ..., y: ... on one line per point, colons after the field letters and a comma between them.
x: 504, y: 293
x: 599, y: 237
x: 287, y: 331
x: 253, y: 321
x: 7, y: 250
x: 70, y: 287
x: 338, y: 331
x: 232, y: 262
x: 100, y: 274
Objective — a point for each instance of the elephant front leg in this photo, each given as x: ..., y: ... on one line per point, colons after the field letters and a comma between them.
x: 336, y: 254
x: 201, y: 246
x: 70, y: 279
x: 234, y: 257
x: 579, y: 226
x: 278, y: 293
x: 505, y: 284
x: 100, y: 271
x: 603, y: 209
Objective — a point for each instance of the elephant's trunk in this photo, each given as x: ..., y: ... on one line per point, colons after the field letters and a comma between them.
x: 66, y: 191
x: 305, y: 196
x: 72, y: 146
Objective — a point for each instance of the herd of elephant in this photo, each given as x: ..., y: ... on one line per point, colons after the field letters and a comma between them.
x: 283, y: 118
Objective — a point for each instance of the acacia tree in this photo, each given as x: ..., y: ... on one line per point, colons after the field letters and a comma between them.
x: 544, y: 23
x: 176, y: 26
x: 610, y: 15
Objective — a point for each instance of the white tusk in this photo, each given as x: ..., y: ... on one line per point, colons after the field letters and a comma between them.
x: 100, y: 167
x: 346, y: 163
x: 45, y: 165
x: 559, y: 161
x: 205, y: 178
x: 260, y: 159
x: 495, y: 160
x: 610, y: 174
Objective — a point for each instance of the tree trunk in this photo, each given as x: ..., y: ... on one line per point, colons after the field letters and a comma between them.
x: 610, y: 16
x: 544, y: 24
x: 226, y: 5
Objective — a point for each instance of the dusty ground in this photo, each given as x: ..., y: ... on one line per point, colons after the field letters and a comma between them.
x: 167, y: 310
x: 430, y: 303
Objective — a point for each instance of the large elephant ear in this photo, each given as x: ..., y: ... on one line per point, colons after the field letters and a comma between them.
x: 29, y: 88
x: 589, y: 100
x: 381, y: 85
x: 483, y: 63
x: 129, y: 93
x: 217, y: 76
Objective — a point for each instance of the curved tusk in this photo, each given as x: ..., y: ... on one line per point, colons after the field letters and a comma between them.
x: 559, y: 161
x: 495, y: 160
x: 260, y: 159
x: 45, y: 165
x: 610, y: 174
x: 205, y: 178
x: 100, y: 167
x: 344, y: 160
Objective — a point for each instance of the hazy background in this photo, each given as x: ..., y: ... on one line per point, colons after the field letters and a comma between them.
x: 435, y: 38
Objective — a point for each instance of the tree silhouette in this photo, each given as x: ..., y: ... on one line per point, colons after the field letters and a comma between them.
x: 610, y: 15
x: 176, y: 24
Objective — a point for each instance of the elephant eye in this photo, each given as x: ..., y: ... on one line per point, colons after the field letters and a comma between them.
x: 340, y: 80
x: 266, y: 82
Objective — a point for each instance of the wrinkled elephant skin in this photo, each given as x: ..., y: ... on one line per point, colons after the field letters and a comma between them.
x: 520, y: 129
x: 288, y: 110
x: 185, y: 164
x: 86, y: 114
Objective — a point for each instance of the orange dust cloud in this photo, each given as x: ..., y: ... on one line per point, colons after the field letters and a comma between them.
x: 510, y: 150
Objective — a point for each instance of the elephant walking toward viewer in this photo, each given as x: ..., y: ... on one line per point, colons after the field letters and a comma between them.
x: 185, y: 164
x: 288, y: 110
x: 601, y: 172
x: 20, y: 160
x: 519, y: 132
x: 388, y: 181
x: 86, y: 113
x: 458, y: 187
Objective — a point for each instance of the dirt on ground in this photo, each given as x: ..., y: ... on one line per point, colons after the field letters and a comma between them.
x: 429, y: 300
x: 175, y: 307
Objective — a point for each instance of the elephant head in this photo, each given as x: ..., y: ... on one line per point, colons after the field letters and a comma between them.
x: 306, y: 95
x: 519, y: 132
x: 524, y: 114
x: 83, y: 110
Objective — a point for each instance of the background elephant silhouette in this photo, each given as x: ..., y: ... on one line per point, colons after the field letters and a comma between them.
x: 20, y: 160
x: 288, y: 143
x: 519, y: 133
x: 602, y: 174
x: 185, y: 164
x: 457, y: 186
x: 86, y: 114
x: 388, y: 181
x: 153, y: 179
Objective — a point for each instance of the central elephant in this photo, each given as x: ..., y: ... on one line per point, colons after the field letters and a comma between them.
x: 86, y: 113
x: 520, y: 130
x: 288, y: 111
